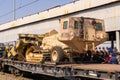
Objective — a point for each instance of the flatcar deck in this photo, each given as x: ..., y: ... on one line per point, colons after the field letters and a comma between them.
x: 97, y: 67
x: 68, y: 71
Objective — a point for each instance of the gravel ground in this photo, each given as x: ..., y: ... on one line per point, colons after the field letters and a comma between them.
x: 7, y: 76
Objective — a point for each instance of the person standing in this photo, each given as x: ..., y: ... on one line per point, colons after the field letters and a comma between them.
x: 113, y: 59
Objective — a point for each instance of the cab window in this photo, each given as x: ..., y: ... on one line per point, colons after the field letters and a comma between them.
x: 75, y: 24
x: 98, y: 26
x: 65, y: 24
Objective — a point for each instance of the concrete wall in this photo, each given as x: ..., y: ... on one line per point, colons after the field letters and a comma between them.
x: 110, y: 13
x: 36, y: 28
x: 57, y: 11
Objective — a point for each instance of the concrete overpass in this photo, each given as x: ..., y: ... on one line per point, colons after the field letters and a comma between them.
x: 41, y: 22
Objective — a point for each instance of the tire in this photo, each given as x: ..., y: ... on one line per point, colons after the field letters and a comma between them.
x: 57, y: 54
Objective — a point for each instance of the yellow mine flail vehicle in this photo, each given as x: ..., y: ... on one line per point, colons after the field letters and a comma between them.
x: 77, y: 35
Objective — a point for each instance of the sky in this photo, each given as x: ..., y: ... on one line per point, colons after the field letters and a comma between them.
x: 25, y: 8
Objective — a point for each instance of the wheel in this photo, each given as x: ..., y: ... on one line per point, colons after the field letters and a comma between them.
x: 18, y: 72
x: 15, y: 71
x: 57, y: 54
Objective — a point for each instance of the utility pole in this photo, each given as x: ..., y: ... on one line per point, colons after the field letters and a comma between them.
x: 14, y: 16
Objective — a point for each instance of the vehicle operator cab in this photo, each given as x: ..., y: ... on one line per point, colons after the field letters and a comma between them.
x: 82, y: 31
x: 85, y: 28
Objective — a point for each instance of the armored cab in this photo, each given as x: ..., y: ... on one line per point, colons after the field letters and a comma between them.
x: 82, y: 33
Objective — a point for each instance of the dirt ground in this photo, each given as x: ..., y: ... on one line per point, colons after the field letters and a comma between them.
x: 6, y: 76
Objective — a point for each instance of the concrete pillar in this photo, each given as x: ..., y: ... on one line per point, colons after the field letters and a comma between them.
x: 118, y: 40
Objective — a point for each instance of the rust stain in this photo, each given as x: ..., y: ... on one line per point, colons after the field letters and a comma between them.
x: 13, y: 24
x: 65, y: 11
x: 41, y: 17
